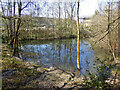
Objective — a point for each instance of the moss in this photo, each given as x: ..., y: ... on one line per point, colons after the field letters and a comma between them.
x: 4, y: 38
x: 21, y: 73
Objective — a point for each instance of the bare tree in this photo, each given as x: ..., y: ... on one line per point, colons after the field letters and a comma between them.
x: 104, y: 28
x: 72, y: 5
x: 59, y: 10
x: 15, y: 48
x: 20, y: 8
x: 8, y: 18
x: 119, y: 29
x: 10, y: 21
x: 14, y: 16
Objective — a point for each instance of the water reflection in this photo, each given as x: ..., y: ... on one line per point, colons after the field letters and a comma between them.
x: 59, y: 53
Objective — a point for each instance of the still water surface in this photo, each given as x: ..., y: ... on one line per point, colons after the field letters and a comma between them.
x: 60, y: 53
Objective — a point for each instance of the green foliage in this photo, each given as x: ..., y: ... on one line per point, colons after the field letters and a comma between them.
x: 62, y: 30
x: 2, y: 27
x: 4, y: 38
x: 98, y: 80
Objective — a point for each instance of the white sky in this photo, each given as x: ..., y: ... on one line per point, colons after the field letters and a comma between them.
x: 87, y: 7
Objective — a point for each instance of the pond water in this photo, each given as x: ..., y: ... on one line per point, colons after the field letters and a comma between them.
x: 60, y: 53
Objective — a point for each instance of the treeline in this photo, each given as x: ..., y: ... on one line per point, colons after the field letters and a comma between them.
x: 47, y: 28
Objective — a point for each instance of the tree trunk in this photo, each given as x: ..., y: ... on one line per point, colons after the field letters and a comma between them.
x: 59, y: 10
x: 15, y: 49
x: 71, y: 17
x: 10, y: 24
x: 119, y: 30
x: 14, y: 19
x: 78, y: 36
x: 112, y: 48
x: 59, y: 31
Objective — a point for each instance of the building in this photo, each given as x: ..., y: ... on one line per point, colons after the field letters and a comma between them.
x: 87, y: 22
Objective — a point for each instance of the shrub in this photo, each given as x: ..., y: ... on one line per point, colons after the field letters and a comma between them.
x: 98, y: 80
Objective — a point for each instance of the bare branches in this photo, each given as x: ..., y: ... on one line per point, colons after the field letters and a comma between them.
x: 25, y: 5
x: 107, y: 31
x: 113, y: 22
x: 102, y: 37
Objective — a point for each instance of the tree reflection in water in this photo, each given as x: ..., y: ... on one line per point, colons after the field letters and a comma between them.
x: 59, y: 53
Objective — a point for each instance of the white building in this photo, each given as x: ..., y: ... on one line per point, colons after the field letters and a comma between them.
x: 87, y: 22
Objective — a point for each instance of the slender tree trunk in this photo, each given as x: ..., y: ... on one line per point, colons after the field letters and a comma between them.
x: 119, y: 30
x: 10, y: 20
x: 72, y: 10
x: 71, y: 25
x: 15, y: 49
x: 109, y: 34
x: 71, y: 19
x: 78, y: 36
x: 65, y: 17
x: 14, y: 16
x: 59, y: 10
x: 59, y: 32
x: 8, y: 24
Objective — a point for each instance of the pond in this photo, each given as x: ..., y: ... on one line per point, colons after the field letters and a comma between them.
x: 60, y: 53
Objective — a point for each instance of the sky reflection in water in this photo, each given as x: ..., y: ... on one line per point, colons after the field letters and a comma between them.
x: 60, y: 53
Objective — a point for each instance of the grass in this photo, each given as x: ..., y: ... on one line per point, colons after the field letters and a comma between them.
x: 15, y: 73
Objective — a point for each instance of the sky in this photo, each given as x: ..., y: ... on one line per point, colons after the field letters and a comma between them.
x: 87, y: 7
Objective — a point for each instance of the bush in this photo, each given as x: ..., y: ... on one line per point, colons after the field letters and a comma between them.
x: 98, y: 80
x: 4, y: 38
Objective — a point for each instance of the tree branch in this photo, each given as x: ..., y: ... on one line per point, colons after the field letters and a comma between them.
x: 25, y: 6
x: 108, y: 31
x: 113, y: 22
